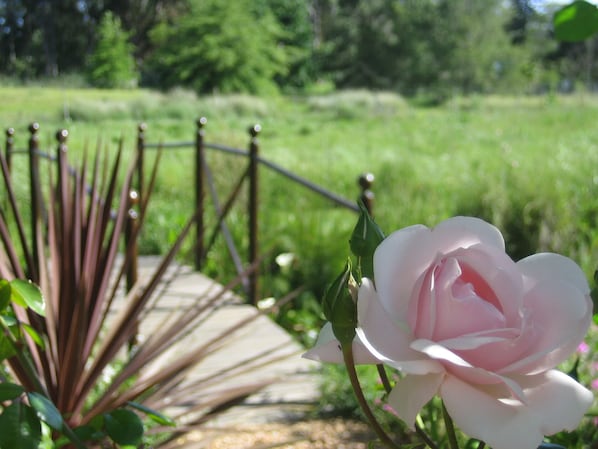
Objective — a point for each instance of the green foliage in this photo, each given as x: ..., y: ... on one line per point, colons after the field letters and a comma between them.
x: 20, y: 427
x: 430, y: 47
x: 219, y: 46
x: 296, y: 38
x: 124, y: 427
x: 576, y: 21
x: 111, y: 65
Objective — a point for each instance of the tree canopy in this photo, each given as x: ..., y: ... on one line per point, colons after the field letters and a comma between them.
x: 259, y: 46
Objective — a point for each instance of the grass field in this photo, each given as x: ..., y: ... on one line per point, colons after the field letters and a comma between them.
x: 528, y: 164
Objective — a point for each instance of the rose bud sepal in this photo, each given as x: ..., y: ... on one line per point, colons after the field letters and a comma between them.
x: 366, y: 237
x: 339, y: 306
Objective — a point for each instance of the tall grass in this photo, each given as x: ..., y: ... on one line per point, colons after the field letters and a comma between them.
x: 528, y: 164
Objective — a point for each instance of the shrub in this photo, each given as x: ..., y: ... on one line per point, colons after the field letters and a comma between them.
x: 111, y: 64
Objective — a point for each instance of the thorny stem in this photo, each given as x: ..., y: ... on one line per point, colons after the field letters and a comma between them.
x: 350, y: 364
x: 450, y: 428
x: 418, y: 429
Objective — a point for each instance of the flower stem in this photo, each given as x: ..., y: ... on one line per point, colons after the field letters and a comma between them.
x: 450, y: 428
x: 424, y: 436
x: 350, y: 364
x: 384, y: 377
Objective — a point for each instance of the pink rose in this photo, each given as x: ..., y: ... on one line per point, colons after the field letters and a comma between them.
x: 459, y: 318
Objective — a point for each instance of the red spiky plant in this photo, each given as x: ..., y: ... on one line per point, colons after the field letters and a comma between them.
x: 73, y: 255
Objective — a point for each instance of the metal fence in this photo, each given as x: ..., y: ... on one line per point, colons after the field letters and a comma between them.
x: 204, y: 184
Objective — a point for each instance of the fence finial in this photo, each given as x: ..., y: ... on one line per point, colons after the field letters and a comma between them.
x: 62, y: 135
x: 10, y: 141
x: 10, y: 132
x: 34, y: 128
x: 255, y: 130
x: 367, y: 196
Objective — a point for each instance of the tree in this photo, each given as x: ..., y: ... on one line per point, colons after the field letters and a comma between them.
x: 419, y: 45
x: 297, y: 40
x: 112, y: 64
x: 221, y: 46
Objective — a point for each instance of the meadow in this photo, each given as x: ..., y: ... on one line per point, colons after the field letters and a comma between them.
x: 527, y: 164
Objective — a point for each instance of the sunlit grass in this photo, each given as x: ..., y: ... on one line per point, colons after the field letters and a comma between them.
x: 525, y: 163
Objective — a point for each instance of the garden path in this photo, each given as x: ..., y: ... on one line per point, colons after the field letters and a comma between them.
x: 296, y: 387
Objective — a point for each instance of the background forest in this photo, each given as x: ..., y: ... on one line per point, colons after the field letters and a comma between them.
x: 427, y: 48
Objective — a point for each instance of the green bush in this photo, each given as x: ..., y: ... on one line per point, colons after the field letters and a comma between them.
x: 111, y: 63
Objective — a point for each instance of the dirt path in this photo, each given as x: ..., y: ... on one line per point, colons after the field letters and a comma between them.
x: 311, y: 434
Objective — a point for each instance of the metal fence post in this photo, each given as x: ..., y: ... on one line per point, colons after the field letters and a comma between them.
x: 10, y: 142
x: 199, y: 190
x: 61, y: 155
x: 367, y: 196
x: 253, y: 213
x: 141, y: 128
x: 35, y: 189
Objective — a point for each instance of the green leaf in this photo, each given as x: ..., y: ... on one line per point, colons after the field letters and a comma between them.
x: 5, y: 291
x: 35, y: 336
x: 153, y: 414
x: 27, y: 294
x: 10, y: 391
x: 88, y: 433
x: 19, y: 427
x: 123, y: 426
x: 46, y: 410
x: 9, y: 320
x: 576, y: 21
x: 7, y: 350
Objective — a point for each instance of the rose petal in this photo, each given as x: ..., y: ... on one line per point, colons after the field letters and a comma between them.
x: 484, y: 417
x: 398, y: 264
x: 559, y: 317
x: 550, y: 266
x: 456, y: 305
x: 328, y: 349
x: 404, y: 255
x: 464, y: 370
x: 478, y: 339
x: 386, y: 339
x: 463, y: 232
x: 411, y: 393
x: 492, y: 267
x: 555, y: 402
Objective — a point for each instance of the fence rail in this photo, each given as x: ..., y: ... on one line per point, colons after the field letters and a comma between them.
x: 204, y: 182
